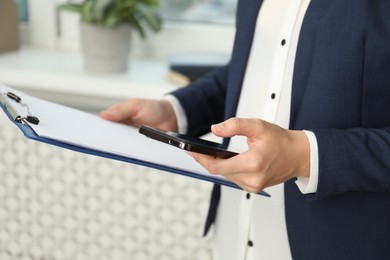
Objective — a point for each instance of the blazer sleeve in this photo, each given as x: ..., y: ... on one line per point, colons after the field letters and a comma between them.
x: 204, y: 101
x: 353, y: 160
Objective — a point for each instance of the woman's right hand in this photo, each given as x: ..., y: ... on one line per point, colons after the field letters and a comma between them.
x: 136, y: 112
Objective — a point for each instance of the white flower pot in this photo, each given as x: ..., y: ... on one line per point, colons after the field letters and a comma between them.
x: 105, y: 49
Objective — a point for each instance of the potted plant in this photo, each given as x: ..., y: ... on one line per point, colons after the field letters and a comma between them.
x: 106, y: 27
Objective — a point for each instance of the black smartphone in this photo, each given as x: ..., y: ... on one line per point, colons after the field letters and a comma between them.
x: 186, y: 142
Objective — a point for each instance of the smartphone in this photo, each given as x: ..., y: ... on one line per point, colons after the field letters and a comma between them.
x: 186, y: 142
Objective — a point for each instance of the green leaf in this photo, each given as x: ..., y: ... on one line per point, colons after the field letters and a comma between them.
x: 150, y: 16
x: 86, y: 12
x: 111, y: 20
x: 71, y: 7
x: 100, y: 8
x: 110, y: 13
x: 153, y: 3
x: 135, y: 23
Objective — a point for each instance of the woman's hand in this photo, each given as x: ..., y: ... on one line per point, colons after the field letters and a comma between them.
x: 274, y: 154
x: 136, y: 112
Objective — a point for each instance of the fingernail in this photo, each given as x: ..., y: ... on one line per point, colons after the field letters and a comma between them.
x: 110, y: 111
x: 218, y: 127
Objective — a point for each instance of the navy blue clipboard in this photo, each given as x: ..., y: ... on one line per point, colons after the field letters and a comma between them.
x: 24, y: 126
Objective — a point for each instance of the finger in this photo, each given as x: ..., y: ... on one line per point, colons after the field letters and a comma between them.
x: 239, y: 180
x: 244, y: 162
x: 205, y: 160
x: 238, y: 126
x: 249, y: 178
x: 120, y: 112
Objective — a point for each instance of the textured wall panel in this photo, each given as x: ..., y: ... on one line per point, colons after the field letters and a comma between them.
x: 60, y: 204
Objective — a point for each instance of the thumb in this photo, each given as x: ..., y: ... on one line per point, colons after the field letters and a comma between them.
x: 237, y: 126
x: 118, y: 112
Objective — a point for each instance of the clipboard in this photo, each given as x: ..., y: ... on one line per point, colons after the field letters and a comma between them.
x: 37, y: 117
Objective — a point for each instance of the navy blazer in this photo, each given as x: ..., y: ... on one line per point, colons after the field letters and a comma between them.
x: 341, y: 92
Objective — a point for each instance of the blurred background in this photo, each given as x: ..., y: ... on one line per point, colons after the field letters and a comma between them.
x: 58, y: 204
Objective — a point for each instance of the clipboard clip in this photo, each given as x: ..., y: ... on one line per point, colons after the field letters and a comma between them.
x: 29, y: 118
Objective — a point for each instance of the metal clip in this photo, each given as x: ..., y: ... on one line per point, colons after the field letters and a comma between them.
x: 29, y: 118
